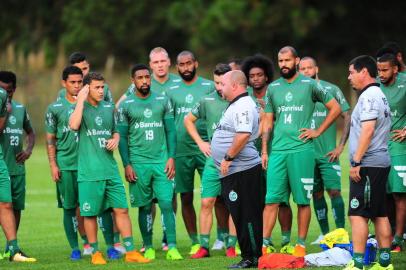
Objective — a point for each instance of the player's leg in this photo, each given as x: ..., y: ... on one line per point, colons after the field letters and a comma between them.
x: 319, y: 202
x: 18, y: 196
x: 277, y: 191
x: 232, y: 249
x: 163, y: 190
x: 285, y: 217
x: 222, y: 214
x: 301, y: 180
x: 115, y: 198
x: 397, y: 189
x: 106, y: 226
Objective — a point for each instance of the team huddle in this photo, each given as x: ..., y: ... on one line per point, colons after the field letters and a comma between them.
x: 253, y: 140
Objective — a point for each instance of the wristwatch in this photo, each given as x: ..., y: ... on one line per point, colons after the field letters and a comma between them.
x: 227, y: 157
x: 355, y: 164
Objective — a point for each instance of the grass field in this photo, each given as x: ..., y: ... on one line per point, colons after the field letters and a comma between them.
x: 41, y: 233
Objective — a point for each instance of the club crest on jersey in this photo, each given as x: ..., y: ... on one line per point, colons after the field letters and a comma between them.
x: 189, y: 98
x: 147, y: 113
x: 289, y: 97
x: 12, y: 120
x: 98, y: 120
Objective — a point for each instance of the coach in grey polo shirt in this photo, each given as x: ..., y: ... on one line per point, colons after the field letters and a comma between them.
x: 235, y: 155
x: 370, y: 162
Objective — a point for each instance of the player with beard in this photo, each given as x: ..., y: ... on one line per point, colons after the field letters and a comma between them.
x: 394, y: 89
x: 327, y: 170
x: 189, y: 158
x: 394, y: 48
x: 259, y: 71
x: 289, y: 105
x: 210, y: 109
x: 147, y: 149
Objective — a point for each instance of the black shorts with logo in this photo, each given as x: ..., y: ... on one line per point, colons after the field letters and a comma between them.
x: 368, y: 196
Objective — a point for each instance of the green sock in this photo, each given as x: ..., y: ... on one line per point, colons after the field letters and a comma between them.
x: 116, y: 237
x: 267, y: 241
x: 70, y: 226
x: 13, y: 247
x: 194, y: 238
x: 84, y: 239
x: 204, y: 240
x: 320, y: 208
x: 168, y: 218
x: 384, y: 256
x: 301, y: 241
x: 285, y: 238
x: 398, y: 240
x: 358, y: 260
x: 222, y: 233
x: 95, y: 247
x: 128, y: 243
x: 337, y: 205
x: 105, y: 221
x: 232, y: 241
x: 145, y: 223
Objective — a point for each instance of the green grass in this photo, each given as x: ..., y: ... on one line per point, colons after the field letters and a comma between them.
x: 41, y: 234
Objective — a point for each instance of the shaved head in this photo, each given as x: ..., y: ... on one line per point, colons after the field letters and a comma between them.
x: 288, y: 49
x: 238, y: 77
x: 234, y: 84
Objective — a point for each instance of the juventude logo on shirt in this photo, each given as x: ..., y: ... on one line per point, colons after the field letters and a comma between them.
x: 98, y: 120
x: 189, y: 98
x: 147, y: 113
x: 12, y: 120
x: 289, y: 97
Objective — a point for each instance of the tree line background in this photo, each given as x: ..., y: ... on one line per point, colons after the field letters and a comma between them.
x: 37, y: 36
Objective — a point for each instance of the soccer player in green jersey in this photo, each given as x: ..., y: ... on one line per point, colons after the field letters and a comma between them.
x: 327, y: 170
x: 392, y: 47
x: 394, y: 89
x: 99, y: 183
x: 15, y: 156
x: 62, y: 153
x: 210, y: 109
x: 184, y: 96
x: 161, y: 79
x: 7, y: 215
x: 289, y: 105
x: 147, y: 148
x: 79, y: 60
x: 259, y: 71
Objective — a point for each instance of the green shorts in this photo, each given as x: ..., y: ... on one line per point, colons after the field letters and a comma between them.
x: 397, y: 175
x: 290, y: 172
x: 96, y: 197
x: 185, y: 171
x: 18, y: 191
x: 67, y: 190
x: 152, y: 183
x: 5, y: 184
x: 327, y: 175
x: 210, y: 184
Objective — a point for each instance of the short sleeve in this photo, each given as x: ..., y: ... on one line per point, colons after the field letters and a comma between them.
x: 369, y: 108
x: 107, y: 93
x: 121, y: 115
x: 243, y: 118
x: 268, y: 102
x: 339, y: 96
x: 115, y: 122
x: 50, y: 121
x: 168, y: 109
x: 130, y: 90
x: 198, y: 110
x: 26, y: 122
x: 320, y: 94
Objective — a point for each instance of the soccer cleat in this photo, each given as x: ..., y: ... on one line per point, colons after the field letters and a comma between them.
x: 268, y: 249
x: 299, y: 251
x: 194, y: 249
x: 113, y: 254
x: 6, y: 255
x: 87, y: 250
x: 218, y: 245
x: 237, y: 249
x: 243, y: 264
x: 119, y: 248
x: 21, y: 257
x: 317, y: 241
x: 97, y: 258
x: 396, y: 248
x: 377, y: 266
x: 134, y: 256
x: 351, y: 266
x: 149, y: 253
x: 75, y: 255
x: 173, y: 254
x: 287, y: 249
x: 201, y: 253
x: 165, y: 246
x: 231, y: 253
x: 142, y: 249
